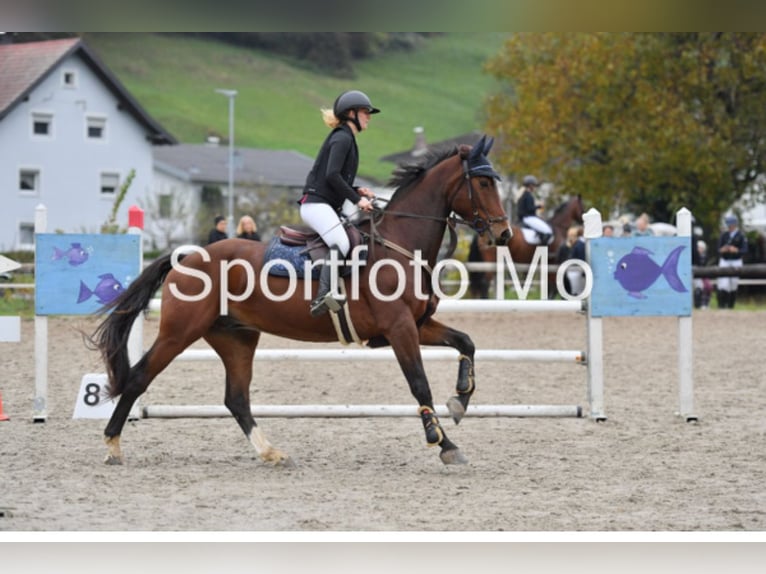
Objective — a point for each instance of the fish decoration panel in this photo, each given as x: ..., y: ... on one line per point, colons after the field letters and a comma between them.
x: 641, y: 276
x: 78, y: 274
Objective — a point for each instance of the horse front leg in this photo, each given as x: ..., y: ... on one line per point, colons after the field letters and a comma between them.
x: 434, y: 333
x: 405, y: 343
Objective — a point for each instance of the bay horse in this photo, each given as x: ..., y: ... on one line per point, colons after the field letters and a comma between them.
x: 457, y: 186
x: 522, y: 251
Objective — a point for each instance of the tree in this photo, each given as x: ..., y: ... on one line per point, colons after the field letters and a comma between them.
x: 648, y: 122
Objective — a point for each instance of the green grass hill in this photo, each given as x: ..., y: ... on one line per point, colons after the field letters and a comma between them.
x: 440, y: 86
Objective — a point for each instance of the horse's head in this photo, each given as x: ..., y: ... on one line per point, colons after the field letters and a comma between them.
x: 478, y: 201
x: 577, y: 208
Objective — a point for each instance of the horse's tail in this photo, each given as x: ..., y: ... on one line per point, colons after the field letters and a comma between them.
x: 111, y: 336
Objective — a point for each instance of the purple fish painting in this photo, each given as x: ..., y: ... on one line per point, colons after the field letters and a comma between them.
x: 105, y: 291
x: 636, y: 271
x: 75, y: 255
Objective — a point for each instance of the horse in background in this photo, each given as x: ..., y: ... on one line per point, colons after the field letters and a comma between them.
x: 524, y: 242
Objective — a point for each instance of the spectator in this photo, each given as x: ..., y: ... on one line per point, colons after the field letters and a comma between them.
x: 218, y: 232
x: 575, y: 273
x: 703, y: 288
x: 608, y: 230
x: 565, y: 253
x: 732, y: 247
x: 642, y: 226
x: 247, y: 229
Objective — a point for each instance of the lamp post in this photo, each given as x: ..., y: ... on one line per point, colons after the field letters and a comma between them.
x: 231, y: 94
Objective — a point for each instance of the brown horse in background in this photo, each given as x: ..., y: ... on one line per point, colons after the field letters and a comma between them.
x: 565, y: 215
x: 460, y: 181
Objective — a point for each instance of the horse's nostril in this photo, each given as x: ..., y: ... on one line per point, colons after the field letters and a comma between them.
x: 505, y: 236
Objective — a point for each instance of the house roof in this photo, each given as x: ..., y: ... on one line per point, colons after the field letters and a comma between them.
x: 420, y: 147
x: 209, y: 163
x: 24, y: 66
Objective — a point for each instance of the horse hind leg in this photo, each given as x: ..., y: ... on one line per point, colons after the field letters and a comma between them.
x: 139, y: 378
x: 236, y: 344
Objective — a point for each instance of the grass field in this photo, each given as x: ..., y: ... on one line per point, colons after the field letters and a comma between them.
x: 441, y: 86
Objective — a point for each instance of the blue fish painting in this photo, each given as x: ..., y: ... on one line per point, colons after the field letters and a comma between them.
x: 106, y: 291
x: 636, y: 271
x: 75, y: 255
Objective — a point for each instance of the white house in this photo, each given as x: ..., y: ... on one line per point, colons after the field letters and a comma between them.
x: 70, y: 134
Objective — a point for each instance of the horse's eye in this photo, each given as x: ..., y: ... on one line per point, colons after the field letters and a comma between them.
x: 484, y: 183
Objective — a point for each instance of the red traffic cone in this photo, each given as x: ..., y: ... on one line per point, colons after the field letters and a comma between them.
x: 3, y: 416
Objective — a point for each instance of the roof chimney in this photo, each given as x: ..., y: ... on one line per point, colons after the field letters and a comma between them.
x: 419, y: 147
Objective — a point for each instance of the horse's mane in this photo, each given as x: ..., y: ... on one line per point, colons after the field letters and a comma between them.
x: 564, y: 205
x: 405, y: 176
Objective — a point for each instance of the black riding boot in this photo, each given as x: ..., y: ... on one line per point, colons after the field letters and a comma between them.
x: 723, y: 299
x: 732, y: 299
x: 544, y: 238
x: 324, y: 300
x: 697, y: 298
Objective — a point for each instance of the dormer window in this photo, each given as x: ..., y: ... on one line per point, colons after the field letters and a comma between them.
x: 42, y: 124
x: 69, y: 79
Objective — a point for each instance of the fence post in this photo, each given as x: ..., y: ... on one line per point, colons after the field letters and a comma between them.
x: 592, y: 221
x: 685, y: 351
x: 40, y: 405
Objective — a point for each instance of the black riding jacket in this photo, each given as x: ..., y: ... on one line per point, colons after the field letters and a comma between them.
x: 332, y: 177
x: 526, y: 205
x: 735, y: 238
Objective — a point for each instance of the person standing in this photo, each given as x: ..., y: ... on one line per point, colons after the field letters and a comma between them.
x: 331, y: 182
x: 642, y: 226
x: 247, y: 229
x: 527, y: 207
x: 218, y: 232
x: 732, y: 247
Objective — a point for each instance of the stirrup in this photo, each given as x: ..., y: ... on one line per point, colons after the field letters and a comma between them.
x: 321, y: 305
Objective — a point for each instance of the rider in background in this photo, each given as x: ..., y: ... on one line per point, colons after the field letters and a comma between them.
x: 331, y: 181
x: 527, y: 207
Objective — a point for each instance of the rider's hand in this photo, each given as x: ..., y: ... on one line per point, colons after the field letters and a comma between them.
x: 365, y: 204
x: 366, y: 192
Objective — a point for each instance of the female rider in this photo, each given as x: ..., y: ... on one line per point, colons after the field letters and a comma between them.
x: 331, y: 181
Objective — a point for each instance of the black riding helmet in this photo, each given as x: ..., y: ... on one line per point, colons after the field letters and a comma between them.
x: 352, y: 100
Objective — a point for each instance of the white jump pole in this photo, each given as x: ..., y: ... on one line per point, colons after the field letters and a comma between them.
x: 486, y: 306
x: 358, y: 411
x: 531, y: 355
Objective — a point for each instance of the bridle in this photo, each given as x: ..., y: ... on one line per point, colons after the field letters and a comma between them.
x: 479, y: 224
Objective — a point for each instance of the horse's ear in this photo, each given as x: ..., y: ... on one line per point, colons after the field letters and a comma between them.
x: 487, y: 144
x: 478, y: 149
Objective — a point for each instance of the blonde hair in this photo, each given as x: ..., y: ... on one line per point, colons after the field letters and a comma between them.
x: 241, y: 225
x: 330, y: 119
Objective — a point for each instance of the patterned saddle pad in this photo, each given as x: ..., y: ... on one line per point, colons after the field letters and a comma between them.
x: 293, y: 255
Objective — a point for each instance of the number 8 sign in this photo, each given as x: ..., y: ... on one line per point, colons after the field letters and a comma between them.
x: 92, y: 402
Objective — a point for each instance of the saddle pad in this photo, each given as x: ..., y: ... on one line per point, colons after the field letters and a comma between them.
x: 292, y: 255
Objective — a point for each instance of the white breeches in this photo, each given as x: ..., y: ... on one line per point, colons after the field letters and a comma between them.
x: 325, y: 221
x: 534, y: 222
x: 728, y: 283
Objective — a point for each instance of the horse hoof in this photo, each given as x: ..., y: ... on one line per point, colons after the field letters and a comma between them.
x: 453, y: 456
x: 112, y: 460
x: 456, y: 409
